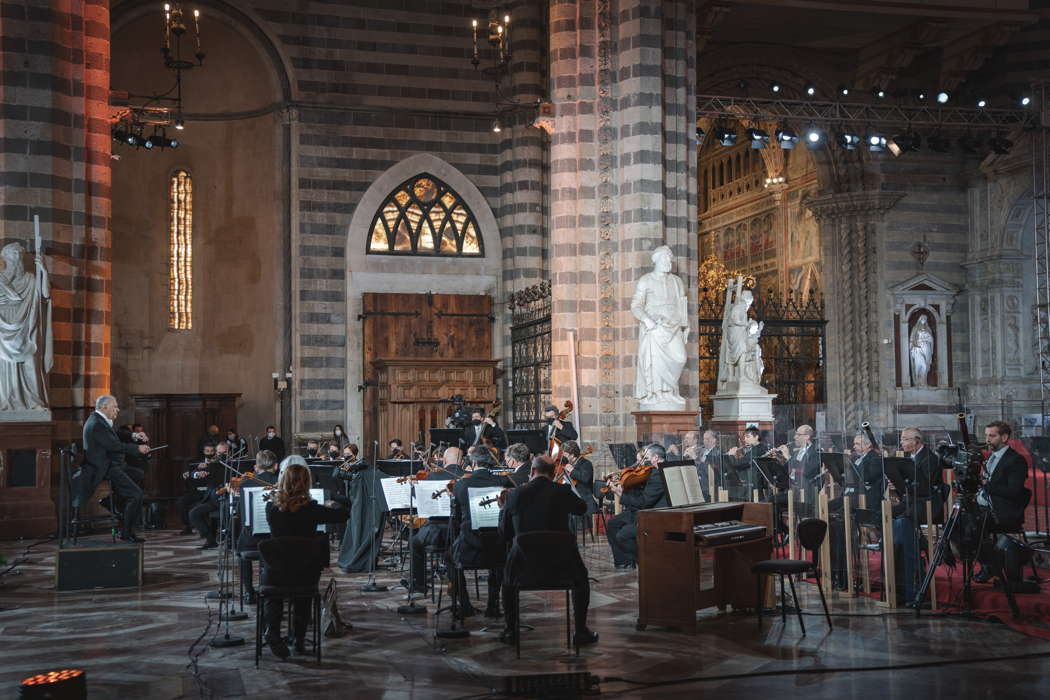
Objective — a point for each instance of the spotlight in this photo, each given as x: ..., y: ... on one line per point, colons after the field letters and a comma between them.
x: 843, y: 90
x: 69, y: 683
x: 920, y: 96
x: 133, y: 140
x: 775, y: 87
x: 148, y: 142
x: 849, y: 141
x: 120, y: 135
x: 908, y: 142
x: 1024, y: 100
x: 876, y: 143
x: 496, y: 127
x: 814, y: 138
x: 787, y: 138
x: 969, y: 144
x: 179, y: 124
x: 938, y: 144
x: 943, y: 96
x: 726, y: 137
x: 810, y: 90
x: 700, y: 134
x: 759, y: 138
x: 878, y: 94
x: 1000, y: 144
x: 982, y: 103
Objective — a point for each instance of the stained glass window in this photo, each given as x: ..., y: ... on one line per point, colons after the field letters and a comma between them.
x: 424, y: 216
x: 180, y: 251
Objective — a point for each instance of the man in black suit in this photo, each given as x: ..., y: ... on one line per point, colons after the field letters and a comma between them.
x: 581, y: 471
x: 560, y: 430
x: 480, y: 429
x: 274, y: 443
x: 803, y: 465
x: 265, y: 474
x: 542, y: 505
x: 741, y: 475
x: 104, y: 456
x: 212, y: 475
x: 707, y: 454
x: 517, y: 458
x: 433, y: 533
x: 1004, y: 497
x: 622, y: 530
x: 867, y: 471
x: 473, y: 548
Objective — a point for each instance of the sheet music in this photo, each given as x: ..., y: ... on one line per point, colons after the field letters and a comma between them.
x: 483, y: 516
x: 256, y: 510
x: 398, y: 496
x: 427, y: 507
x: 683, y: 485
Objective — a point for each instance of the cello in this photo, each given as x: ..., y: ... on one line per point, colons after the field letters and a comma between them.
x: 554, y: 444
x: 561, y: 476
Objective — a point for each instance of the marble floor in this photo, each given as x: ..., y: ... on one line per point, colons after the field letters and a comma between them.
x: 137, y: 644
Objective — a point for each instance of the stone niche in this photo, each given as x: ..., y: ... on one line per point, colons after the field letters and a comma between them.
x: 923, y: 296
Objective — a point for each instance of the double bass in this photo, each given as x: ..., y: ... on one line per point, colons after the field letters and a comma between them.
x: 554, y: 444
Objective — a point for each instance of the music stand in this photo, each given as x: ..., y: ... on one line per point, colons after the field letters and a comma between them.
x: 399, y: 467
x: 535, y: 440
x: 832, y: 463
x: 448, y: 436
x: 623, y: 453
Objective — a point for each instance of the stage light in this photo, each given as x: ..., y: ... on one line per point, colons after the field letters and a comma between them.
x: 120, y: 135
x: 810, y: 90
x: 876, y: 143
x: 843, y: 90
x: 132, y: 140
x: 700, y: 134
x: 943, y: 96
x: 775, y: 87
x: 849, y: 141
x: 726, y: 137
x: 938, y: 144
x: 148, y: 142
x: 920, y: 96
x: 179, y: 124
x: 68, y: 684
x: 496, y: 127
x: 908, y: 142
x: 982, y: 103
x: 787, y: 138
x: 878, y: 94
x: 814, y: 138
x: 1000, y: 144
x: 1024, y: 100
x: 759, y: 138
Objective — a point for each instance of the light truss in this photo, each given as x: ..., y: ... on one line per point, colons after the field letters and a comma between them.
x: 1041, y: 204
x: 816, y: 112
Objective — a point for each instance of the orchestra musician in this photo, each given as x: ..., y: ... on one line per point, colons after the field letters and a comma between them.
x: 867, y: 467
x: 543, y: 505
x: 433, y: 533
x: 211, y: 475
x: 396, y: 450
x: 134, y: 464
x: 622, y: 529
x: 516, y: 457
x: 339, y: 437
x: 313, y: 449
x: 265, y: 474
x: 741, y: 470
x: 579, y: 474
x: 707, y: 454
x: 923, y: 483
x: 238, y: 445
x: 480, y: 429
x: 557, y: 429
x: 273, y: 443
x: 803, y: 464
x: 468, y: 546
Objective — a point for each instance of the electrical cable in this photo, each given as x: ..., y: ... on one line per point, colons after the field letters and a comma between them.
x: 22, y: 558
x: 202, y: 685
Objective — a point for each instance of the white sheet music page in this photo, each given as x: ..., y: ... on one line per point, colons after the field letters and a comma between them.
x: 257, y: 509
x: 398, y: 496
x: 487, y: 515
x: 429, y: 507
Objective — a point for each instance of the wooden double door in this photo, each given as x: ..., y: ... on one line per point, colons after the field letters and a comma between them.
x: 419, y: 351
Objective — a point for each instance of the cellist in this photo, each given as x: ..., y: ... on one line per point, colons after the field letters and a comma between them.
x: 622, y: 529
x: 558, y: 429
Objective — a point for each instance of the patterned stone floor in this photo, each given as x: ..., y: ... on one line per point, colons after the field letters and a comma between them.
x: 135, y: 644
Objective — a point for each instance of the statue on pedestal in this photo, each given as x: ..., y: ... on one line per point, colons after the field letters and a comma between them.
x: 25, y: 335
x: 740, y: 363
x: 661, y: 305
x: 920, y: 348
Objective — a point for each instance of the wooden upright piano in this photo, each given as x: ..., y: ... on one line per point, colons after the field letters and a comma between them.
x: 678, y: 575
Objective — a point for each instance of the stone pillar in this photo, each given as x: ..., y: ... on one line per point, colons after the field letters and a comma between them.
x: 55, y: 163
x: 848, y: 224
x: 623, y: 181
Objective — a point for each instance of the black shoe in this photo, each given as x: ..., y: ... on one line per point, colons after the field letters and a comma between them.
x: 982, y: 576
x: 300, y: 646
x: 493, y: 611
x: 585, y: 637
x: 507, y: 635
x: 186, y: 531
x: 210, y: 544
x: 278, y: 647
x: 131, y: 538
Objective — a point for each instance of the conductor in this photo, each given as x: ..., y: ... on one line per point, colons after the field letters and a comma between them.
x: 104, y: 455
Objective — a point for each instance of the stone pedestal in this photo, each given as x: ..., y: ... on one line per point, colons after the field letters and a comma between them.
x: 652, y: 425
x: 26, y: 506
x: 734, y: 412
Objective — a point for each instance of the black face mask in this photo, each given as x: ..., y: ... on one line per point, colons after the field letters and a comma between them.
x: 549, y: 421
x: 311, y: 451
x: 333, y: 453
x: 209, y: 458
x: 475, y: 422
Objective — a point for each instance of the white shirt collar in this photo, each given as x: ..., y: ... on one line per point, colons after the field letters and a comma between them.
x: 998, y: 454
x: 108, y: 421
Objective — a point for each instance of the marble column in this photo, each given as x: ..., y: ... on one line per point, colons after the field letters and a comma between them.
x: 848, y: 224
x: 55, y: 162
x: 623, y: 181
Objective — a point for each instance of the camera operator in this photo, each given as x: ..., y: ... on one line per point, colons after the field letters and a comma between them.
x: 1004, y: 498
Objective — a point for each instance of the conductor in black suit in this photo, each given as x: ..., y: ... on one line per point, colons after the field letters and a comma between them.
x: 104, y: 456
x: 560, y: 430
x: 480, y: 429
x: 542, y: 505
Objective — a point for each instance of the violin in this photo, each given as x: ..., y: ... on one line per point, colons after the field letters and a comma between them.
x: 560, y: 474
x: 235, y: 483
x: 630, y: 477
x: 554, y: 444
x: 421, y: 475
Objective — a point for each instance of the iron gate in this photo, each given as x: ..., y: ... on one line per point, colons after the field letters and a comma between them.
x: 530, y: 339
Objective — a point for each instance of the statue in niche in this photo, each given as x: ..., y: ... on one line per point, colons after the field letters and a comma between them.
x: 660, y: 305
x: 740, y: 361
x: 25, y: 332
x: 920, y: 348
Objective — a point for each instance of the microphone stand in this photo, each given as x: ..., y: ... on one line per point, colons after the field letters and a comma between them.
x: 225, y: 613
x: 411, y: 608
x: 372, y: 586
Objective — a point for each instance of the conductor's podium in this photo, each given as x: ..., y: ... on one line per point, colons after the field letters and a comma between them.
x: 679, y: 575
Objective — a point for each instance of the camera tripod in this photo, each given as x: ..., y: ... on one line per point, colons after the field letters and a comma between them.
x: 968, y: 555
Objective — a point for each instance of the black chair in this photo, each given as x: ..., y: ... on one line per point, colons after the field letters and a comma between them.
x: 541, y: 561
x: 1017, y: 531
x: 291, y: 569
x: 811, y: 533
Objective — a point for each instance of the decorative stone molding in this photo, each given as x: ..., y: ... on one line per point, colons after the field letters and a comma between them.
x: 859, y: 205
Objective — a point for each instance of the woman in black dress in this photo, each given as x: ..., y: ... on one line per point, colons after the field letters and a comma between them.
x: 293, y: 513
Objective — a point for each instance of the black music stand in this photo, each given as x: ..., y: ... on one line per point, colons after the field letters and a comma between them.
x: 448, y: 436
x: 832, y: 463
x: 535, y: 440
x: 399, y: 467
x: 623, y: 453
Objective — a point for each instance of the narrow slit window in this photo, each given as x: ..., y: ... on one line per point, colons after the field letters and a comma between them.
x: 180, y: 253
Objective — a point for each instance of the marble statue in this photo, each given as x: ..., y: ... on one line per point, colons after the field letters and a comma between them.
x: 25, y: 335
x: 920, y: 347
x: 740, y: 363
x: 660, y: 305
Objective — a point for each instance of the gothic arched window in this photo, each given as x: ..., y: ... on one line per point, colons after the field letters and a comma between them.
x: 424, y: 216
x: 180, y: 251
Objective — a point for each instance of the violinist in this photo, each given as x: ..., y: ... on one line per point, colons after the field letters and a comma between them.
x: 333, y: 453
x: 452, y: 460
x: 622, y: 529
x: 265, y: 473
x: 434, y: 532
x: 313, y: 449
x: 579, y: 473
x: 482, y: 428
x: 211, y: 474
x: 195, y: 479
x: 467, y: 545
x: 558, y: 429
x: 517, y: 458
x: 396, y: 450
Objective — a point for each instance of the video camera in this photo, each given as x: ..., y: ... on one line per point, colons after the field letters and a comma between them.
x: 460, y: 417
x: 966, y: 464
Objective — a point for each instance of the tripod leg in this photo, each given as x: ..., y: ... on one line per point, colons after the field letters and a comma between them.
x: 936, y: 558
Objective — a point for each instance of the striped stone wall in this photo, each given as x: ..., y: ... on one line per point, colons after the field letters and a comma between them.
x: 55, y: 162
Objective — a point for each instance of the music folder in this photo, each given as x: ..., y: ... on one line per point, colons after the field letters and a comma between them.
x: 683, y: 484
